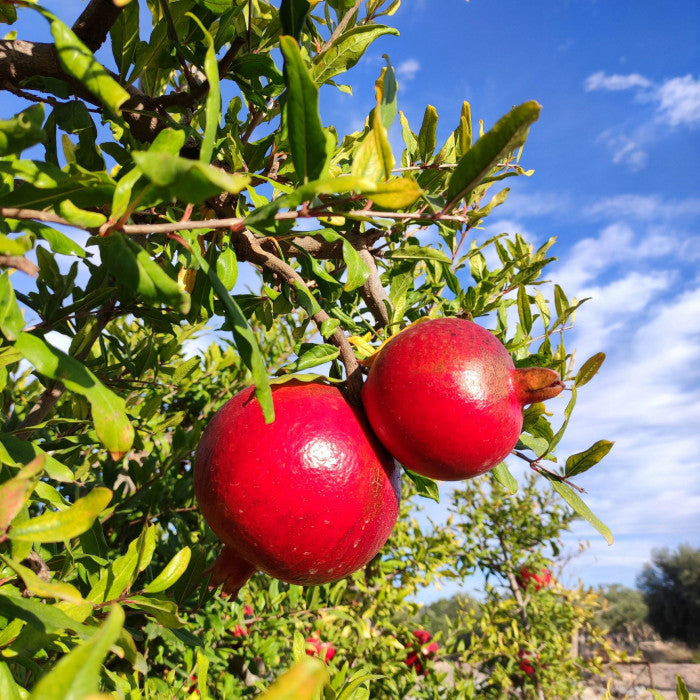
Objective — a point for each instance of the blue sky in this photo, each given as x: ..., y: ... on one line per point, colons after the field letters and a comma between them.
x: 615, y: 153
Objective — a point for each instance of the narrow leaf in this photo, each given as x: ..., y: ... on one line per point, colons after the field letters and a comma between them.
x: 212, y: 106
x: 108, y: 410
x: 427, y: 136
x: 507, y: 134
x: 187, y: 180
x: 396, y: 193
x: 583, y: 461
x: 304, y: 681
x: 414, y: 252
x: 77, y: 675
x: 524, y: 312
x: 346, y: 50
x: 57, y: 526
x: 171, y: 573
x: 580, y: 508
x: 15, y: 492
x: 314, y: 356
x: 136, y: 271
x: 502, y: 475
x: 589, y: 369
x: 425, y: 487
x: 80, y: 63
x: 11, y: 318
x: 41, y: 588
x: 307, y: 140
x: 243, y: 336
x: 293, y: 16
x: 22, y: 131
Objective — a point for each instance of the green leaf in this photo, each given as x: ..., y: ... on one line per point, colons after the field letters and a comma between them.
x: 314, y: 356
x: 15, y: 492
x: 502, y: 475
x: 8, y: 15
x: 187, y: 180
x: 171, y: 573
x: 182, y: 370
x: 682, y: 690
x: 243, y: 336
x: 358, y: 271
x: 161, y: 609
x: 414, y: 252
x: 41, y: 588
x: 9, y: 690
x: 80, y: 217
x: 136, y: 271
x: 212, y: 106
x: 329, y: 326
x: 293, y: 16
x: 60, y: 243
x: 43, y: 617
x: 427, y: 136
x: 304, y: 681
x: 583, y: 461
x: 524, y: 311
x: 346, y: 50
x: 307, y: 140
x: 396, y: 193
x: 77, y: 674
x: 589, y: 369
x: 22, y: 131
x: 227, y: 268
x: 16, y: 246
x: 580, y: 508
x: 125, y: 38
x: 507, y: 134
x: 561, y: 303
x: 57, y: 526
x: 79, y: 62
x: 11, y: 318
x: 425, y: 487
x: 388, y: 89
x: 108, y: 410
x: 374, y: 159
x: 22, y: 452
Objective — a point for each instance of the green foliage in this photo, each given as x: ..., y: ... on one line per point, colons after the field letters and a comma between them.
x: 671, y: 588
x: 196, y: 228
x: 623, y: 608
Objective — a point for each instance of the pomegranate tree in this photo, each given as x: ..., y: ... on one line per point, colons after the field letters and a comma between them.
x: 446, y: 400
x: 308, y: 498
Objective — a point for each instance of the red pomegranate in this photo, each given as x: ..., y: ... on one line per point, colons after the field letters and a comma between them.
x: 315, y: 647
x: 537, y: 579
x: 308, y: 499
x: 445, y: 399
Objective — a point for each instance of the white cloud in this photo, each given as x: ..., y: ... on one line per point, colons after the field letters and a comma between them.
x: 601, y: 81
x: 643, y: 207
x: 626, y: 150
x: 407, y: 69
x: 679, y: 101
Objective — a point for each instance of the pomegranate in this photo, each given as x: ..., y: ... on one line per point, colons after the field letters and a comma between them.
x: 445, y: 399
x: 308, y: 499
x: 537, y: 579
x: 315, y: 647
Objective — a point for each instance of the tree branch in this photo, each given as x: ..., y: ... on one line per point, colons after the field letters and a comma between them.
x: 249, y: 247
x: 373, y: 292
x: 19, y: 263
x: 93, y: 25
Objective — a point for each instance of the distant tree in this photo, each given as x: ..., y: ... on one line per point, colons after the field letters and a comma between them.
x: 444, y: 614
x: 671, y: 588
x: 624, y: 608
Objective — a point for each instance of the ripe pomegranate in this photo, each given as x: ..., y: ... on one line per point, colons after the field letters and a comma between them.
x: 527, y: 662
x: 445, y: 399
x: 315, y: 647
x: 308, y: 499
x: 537, y: 579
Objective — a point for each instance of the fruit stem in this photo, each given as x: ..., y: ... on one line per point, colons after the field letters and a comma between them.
x: 535, y: 384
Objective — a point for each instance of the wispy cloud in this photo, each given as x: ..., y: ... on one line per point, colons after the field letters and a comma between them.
x: 407, y: 69
x: 676, y: 103
x: 602, y: 81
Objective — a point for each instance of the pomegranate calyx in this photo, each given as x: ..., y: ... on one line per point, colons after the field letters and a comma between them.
x: 229, y: 571
x: 535, y: 384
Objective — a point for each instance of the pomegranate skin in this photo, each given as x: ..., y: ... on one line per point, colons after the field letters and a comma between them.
x: 309, y: 498
x: 445, y: 399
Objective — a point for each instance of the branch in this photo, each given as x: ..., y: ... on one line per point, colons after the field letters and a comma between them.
x: 248, y: 247
x: 341, y: 25
x: 19, y: 263
x: 373, y: 292
x: 93, y: 25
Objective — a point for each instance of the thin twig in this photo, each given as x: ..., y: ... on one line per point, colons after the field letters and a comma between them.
x: 341, y: 25
x: 19, y: 263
